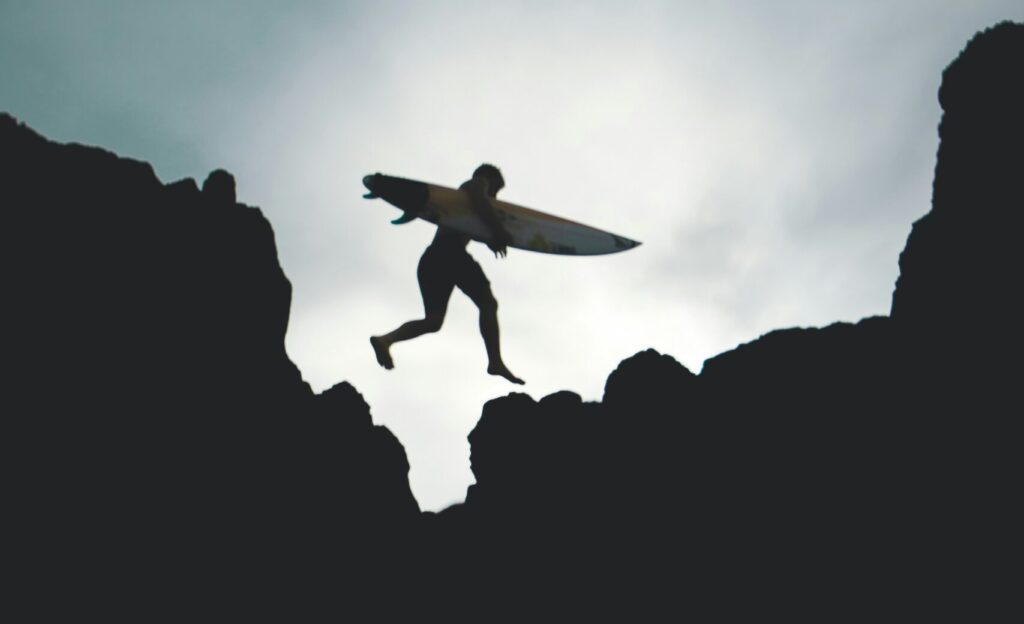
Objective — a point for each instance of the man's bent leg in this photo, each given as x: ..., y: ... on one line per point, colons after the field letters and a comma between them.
x: 407, y: 331
x: 436, y: 285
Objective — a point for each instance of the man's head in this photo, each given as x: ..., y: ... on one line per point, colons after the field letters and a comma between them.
x: 493, y: 176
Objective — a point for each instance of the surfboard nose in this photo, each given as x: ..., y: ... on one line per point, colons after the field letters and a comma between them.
x: 621, y: 242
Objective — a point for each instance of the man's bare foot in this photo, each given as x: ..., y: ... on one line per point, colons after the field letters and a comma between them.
x: 502, y: 371
x: 382, y: 353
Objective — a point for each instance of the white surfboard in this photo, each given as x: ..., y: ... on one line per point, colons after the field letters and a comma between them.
x: 531, y: 230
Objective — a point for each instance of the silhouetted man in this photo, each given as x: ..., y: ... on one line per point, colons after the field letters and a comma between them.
x: 446, y: 264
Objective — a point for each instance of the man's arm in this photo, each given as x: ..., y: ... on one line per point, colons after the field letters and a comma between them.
x: 480, y: 200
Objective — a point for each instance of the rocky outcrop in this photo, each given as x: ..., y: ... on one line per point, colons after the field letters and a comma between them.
x: 832, y: 464
x: 955, y: 292
x: 154, y: 413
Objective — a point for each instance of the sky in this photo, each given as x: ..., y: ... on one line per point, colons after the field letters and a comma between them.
x: 770, y: 156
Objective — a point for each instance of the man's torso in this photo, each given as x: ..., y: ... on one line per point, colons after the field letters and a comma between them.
x: 448, y: 239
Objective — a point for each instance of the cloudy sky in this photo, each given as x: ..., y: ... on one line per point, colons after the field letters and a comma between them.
x: 770, y: 155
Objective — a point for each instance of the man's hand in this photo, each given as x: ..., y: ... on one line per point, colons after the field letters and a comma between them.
x: 500, y: 243
x: 480, y: 200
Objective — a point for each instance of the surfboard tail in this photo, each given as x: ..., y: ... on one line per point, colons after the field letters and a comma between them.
x: 371, y: 182
x: 405, y: 218
x: 408, y: 195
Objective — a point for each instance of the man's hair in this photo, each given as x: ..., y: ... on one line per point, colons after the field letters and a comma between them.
x: 492, y: 173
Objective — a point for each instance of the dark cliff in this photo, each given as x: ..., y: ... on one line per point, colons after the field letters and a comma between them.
x: 156, y: 421
x: 829, y: 470
x: 955, y: 294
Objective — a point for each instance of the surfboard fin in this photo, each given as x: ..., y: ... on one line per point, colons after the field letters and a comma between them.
x: 405, y: 218
x: 370, y: 195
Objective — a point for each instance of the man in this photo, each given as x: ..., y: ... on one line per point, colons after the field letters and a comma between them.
x: 446, y: 264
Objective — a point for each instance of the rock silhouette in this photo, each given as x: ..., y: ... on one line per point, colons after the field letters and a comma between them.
x: 813, y: 471
x: 158, y: 425
x: 809, y: 466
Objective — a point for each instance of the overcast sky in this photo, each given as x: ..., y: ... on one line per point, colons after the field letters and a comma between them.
x: 771, y: 156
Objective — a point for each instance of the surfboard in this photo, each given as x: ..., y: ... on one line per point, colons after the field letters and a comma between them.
x: 530, y: 229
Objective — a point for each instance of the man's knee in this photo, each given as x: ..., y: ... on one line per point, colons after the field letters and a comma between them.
x: 433, y: 323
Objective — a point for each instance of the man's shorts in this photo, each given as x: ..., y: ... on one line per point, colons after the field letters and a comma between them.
x: 441, y: 269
